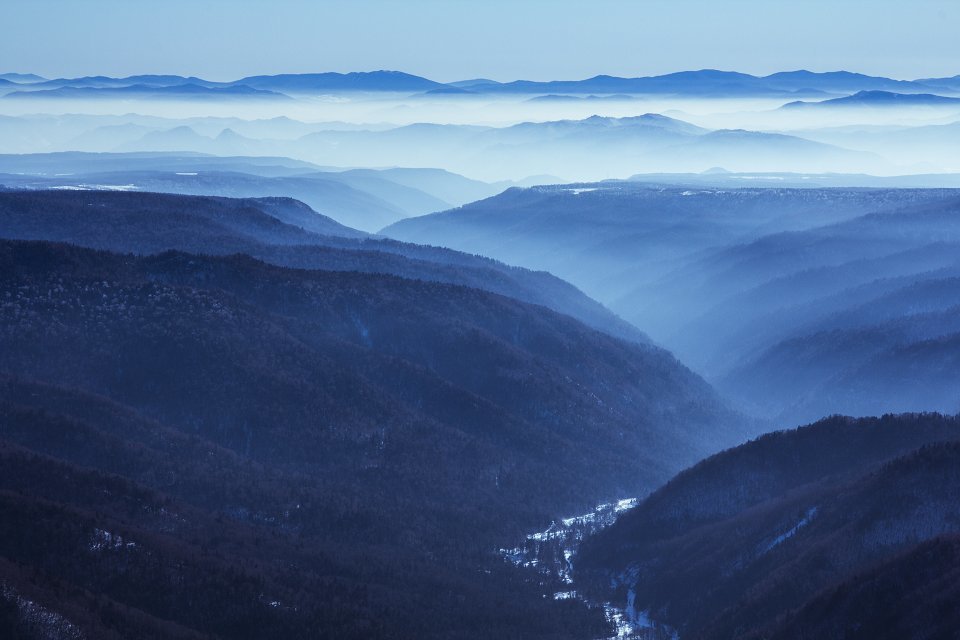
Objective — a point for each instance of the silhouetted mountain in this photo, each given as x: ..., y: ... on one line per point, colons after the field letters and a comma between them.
x: 336, y: 82
x: 746, y: 536
x: 143, y: 91
x: 709, y: 82
x: 854, y: 317
x: 110, y: 137
x: 473, y: 82
x: 181, y: 138
x: 700, y: 83
x: 233, y: 139
x: 952, y: 84
x: 366, y: 199
x: 598, y: 146
x: 442, y: 185
x: 885, y: 345
x: 148, y: 80
x: 840, y: 82
x: 705, y: 82
x: 79, y: 163
x: 799, y: 302
x: 45, y: 132
x: 22, y: 78
x: 297, y: 83
x: 640, y: 229
x: 149, y: 223
x: 214, y: 445
x: 366, y: 207
x: 879, y: 99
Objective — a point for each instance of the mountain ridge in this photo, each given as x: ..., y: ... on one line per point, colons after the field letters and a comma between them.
x: 166, y: 415
x: 692, y: 82
x: 769, y: 526
x: 878, y: 99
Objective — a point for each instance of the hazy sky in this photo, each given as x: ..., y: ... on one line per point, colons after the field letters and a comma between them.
x: 457, y: 39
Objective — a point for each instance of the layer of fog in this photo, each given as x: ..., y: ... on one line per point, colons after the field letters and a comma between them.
x: 365, y: 130
x: 798, y: 303
x: 398, y: 110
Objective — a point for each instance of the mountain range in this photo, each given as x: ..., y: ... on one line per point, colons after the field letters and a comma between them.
x: 702, y: 83
x: 595, y: 146
x: 280, y: 231
x: 879, y: 99
x: 366, y: 199
x: 149, y: 92
x: 796, y: 302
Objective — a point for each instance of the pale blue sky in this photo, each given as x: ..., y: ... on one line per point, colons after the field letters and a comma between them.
x: 457, y: 39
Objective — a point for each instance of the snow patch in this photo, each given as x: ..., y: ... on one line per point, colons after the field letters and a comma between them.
x: 114, y: 187
x: 39, y: 619
x: 780, y: 539
x: 95, y: 187
x: 551, y: 553
x: 103, y: 540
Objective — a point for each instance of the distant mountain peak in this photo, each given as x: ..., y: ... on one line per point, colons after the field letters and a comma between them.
x: 381, y: 80
x: 878, y: 98
x: 229, y: 134
x: 22, y: 78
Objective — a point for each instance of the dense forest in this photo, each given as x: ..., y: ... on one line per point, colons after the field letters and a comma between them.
x: 215, y: 446
x: 785, y: 536
x: 227, y: 418
x: 279, y: 231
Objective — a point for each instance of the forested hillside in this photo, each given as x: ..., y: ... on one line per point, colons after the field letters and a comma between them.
x: 279, y: 231
x: 781, y: 535
x: 218, y: 446
x: 798, y: 303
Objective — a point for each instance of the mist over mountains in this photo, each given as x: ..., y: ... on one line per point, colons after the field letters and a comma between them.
x: 801, y: 302
x: 597, y: 128
x: 369, y: 355
x: 360, y: 348
x: 366, y: 199
x: 594, y: 146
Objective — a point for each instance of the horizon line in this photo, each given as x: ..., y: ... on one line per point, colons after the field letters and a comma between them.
x: 476, y: 77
